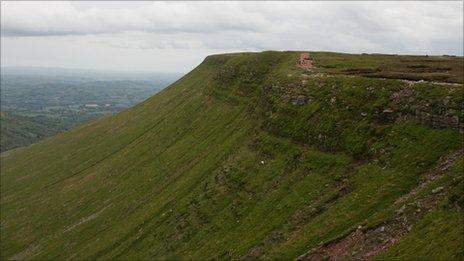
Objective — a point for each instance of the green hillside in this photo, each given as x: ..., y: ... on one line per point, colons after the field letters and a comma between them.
x: 249, y: 156
x: 35, y: 107
x: 17, y: 130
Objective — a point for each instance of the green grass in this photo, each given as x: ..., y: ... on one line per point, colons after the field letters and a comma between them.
x: 408, y: 67
x: 221, y: 165
x: 440, y: 234
x: 437, y: 237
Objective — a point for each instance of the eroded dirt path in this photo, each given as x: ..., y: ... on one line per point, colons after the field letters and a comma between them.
x: 86, y: 219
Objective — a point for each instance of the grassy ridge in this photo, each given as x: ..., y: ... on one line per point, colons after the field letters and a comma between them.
x: 223, y: 164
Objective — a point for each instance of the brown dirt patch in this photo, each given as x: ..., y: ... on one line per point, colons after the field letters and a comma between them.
x: 305, y: 62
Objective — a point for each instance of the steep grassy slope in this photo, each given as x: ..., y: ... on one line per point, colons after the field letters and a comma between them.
x: 247, y: 156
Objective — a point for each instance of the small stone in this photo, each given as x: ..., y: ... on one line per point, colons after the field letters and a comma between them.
x: 299, y: 100
x: 437, y: 190
x: 446, y: 100
x: 401, y: 210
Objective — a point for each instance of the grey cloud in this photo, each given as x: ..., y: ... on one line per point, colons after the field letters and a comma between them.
x: 61, y: 18
x: 146, y: 30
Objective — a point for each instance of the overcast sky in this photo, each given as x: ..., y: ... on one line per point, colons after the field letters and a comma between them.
x: 176, y: 36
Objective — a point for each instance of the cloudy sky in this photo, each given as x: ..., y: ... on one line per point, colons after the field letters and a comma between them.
x: 176, y: 36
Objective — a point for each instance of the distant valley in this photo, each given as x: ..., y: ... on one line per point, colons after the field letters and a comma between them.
x: 39, y: 102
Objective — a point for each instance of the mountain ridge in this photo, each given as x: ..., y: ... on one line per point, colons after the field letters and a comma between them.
x: 245, y: 157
